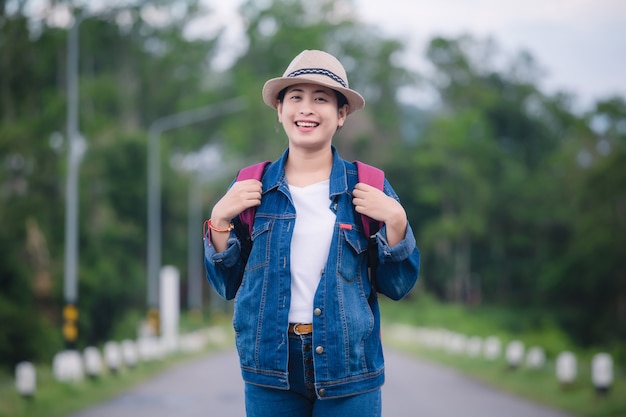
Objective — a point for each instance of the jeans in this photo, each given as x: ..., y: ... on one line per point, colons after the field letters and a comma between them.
x: 300, y: 400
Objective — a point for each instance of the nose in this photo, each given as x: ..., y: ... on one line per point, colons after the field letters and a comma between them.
x: 305, y: 109
x: 306, y: 106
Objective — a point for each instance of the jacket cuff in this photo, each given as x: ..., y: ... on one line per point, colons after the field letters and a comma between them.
x: 227, y: 258
x: 400, y: 251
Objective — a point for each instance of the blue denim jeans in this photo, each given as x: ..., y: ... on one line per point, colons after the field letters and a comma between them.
x: 300, y: 400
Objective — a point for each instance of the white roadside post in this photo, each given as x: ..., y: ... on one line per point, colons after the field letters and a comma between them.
x: 474, y: 346
x: 492, y: 348
x: 93, y: 362
x: 26, y: 379
x: 514, y: 354
x: 148, y: 349
x: 169, y: 293
x: 457, y: 343
x: 67, y: 366
x: 130, y: 354
x: 113, y: 356
x: 535, y: 358
x: 602, y: 372
x: 566, y: 368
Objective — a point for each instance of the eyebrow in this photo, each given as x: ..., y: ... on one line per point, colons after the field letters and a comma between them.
x: 301, y: 90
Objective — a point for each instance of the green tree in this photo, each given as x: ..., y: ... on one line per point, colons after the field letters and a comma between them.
x: 542, y: 208
x: 30, y: 110
x: 454, y: 163
x: 588, y: 274
x: 130, y: 75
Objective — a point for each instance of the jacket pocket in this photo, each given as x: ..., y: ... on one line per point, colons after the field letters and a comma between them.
x: 351, y: 256
x: 259, y: 254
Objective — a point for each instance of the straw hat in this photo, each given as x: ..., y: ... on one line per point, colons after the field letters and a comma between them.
x: 315, y: 67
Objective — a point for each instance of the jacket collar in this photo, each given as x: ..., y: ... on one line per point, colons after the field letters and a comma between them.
x: 275, y: 174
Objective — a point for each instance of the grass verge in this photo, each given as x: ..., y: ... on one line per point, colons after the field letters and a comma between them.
x: 61, y: 399
x: 538, y: 385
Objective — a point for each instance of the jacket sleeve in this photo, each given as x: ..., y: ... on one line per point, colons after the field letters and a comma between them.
x: 398, y: 266
x: 224, y: 270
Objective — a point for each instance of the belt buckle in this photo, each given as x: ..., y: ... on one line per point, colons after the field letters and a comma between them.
x: 295, y: 329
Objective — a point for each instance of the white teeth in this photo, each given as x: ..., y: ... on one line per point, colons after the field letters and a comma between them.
x: 306, y: 124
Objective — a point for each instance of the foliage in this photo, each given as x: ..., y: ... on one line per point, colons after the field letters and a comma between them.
x: 510, y: 211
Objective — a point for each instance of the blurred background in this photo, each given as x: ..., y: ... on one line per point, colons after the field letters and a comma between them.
x: 513, y: 180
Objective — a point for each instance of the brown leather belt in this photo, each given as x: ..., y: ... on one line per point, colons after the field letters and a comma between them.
x: 298, y: 328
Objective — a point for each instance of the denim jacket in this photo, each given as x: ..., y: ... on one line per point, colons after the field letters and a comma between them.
x: 255, y: 270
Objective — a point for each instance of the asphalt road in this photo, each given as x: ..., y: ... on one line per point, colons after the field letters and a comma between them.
x: 212, y: 386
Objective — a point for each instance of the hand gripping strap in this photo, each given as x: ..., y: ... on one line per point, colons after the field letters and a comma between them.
x: 376, y: 178
x: 366, y: 174
x: 249, y: 173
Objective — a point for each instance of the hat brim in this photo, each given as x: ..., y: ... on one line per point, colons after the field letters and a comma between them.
x: 276, y: 85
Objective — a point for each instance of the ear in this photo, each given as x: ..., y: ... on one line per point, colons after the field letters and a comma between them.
x: 279, y: 111
x: 342, y: 114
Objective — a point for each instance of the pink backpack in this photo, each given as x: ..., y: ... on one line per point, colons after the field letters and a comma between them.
x: 366, y: 174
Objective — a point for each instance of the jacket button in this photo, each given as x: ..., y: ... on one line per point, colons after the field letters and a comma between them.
x: 321, y: 392
x: 319, y: 350
x: 317, y: 311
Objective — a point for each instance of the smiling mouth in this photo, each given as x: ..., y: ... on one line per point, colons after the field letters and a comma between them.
x: 307, y: 124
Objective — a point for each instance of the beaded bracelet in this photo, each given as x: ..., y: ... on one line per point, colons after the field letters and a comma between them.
x: 215, y: 229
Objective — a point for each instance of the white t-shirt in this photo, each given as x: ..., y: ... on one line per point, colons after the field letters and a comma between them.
x: 310, y: 245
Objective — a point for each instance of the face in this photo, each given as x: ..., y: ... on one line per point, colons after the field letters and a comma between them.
x: 310, y: 116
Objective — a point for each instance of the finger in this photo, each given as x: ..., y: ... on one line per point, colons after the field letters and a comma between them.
x: 361, y: 186
x: 359, y: 204
x: 249, y: 184
x: 359, y: 193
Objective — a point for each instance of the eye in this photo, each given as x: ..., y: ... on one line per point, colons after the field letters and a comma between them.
x: 321, y: 99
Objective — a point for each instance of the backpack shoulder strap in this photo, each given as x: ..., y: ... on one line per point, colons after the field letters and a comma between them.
x: 252, y: 172
x: 375, y: 177
x: 367, y: 174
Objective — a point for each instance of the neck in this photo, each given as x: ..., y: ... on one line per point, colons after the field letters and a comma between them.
x: 306, y: 168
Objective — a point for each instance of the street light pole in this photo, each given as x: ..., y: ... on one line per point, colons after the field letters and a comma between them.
x: 154, y: 188
x: 204, y: 166
x: 71, y: 212
x: 76, y: 148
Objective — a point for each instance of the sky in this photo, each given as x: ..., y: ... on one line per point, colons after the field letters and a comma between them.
x: 580, y: 44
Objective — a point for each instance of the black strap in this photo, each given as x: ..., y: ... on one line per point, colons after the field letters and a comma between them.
x: 372, y: 256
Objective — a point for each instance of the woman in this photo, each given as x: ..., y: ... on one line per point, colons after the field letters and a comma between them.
x: 306, y: 318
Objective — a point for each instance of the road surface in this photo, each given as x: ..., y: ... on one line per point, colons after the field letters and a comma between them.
x: 212, y: 386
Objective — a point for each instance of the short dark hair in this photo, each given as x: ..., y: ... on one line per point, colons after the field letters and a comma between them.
x: 341, y: 99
